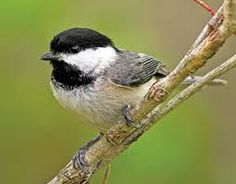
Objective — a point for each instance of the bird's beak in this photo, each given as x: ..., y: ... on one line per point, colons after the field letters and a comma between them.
x: 50, y: 57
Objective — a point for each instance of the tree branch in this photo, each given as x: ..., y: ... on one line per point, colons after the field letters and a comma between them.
x: 161, y: 110
x: 120, y: 136
x: 212, y: 24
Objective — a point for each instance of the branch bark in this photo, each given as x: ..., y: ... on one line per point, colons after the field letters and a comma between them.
x: 151, y: 109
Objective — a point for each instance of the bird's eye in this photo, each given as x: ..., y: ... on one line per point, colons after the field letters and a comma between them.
x: 75, y: 49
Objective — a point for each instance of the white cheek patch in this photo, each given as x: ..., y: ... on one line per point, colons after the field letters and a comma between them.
x: 90, y: 60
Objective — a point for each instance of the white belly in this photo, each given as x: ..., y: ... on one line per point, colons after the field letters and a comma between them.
x: 102, y: 102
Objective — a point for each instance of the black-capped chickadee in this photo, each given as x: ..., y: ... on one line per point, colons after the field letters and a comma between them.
x: 96, y: 79
x: 93, y: 77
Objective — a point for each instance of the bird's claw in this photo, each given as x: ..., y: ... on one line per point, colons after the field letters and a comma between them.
x: 128, y: 117
x: 79, y: 161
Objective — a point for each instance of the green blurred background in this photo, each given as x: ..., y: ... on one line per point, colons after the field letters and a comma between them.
x: 194, y: 144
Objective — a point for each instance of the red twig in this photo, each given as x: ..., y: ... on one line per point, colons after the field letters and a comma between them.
x: 206, y: 7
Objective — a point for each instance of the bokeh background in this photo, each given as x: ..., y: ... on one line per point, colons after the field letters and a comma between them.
x: 194, y: 144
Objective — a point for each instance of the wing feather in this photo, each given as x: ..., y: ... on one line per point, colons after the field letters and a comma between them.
x: 135, y: 69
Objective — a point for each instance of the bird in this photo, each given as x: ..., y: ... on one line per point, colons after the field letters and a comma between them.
x: 94, y: 78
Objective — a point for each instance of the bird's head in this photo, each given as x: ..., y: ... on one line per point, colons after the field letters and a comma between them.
x: 81, y: 48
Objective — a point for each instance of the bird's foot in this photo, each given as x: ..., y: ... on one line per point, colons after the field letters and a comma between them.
x: 79, y: 160
x: 129, y: 118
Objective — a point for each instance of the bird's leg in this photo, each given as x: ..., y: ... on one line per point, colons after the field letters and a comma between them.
x: 79, y: 158
x: 129, y: 118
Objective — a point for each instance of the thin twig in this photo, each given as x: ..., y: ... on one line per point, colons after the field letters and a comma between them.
x: 206, y: 7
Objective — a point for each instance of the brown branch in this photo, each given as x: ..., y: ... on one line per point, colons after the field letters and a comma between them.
x: 215, y: 21
x: 120, y: 136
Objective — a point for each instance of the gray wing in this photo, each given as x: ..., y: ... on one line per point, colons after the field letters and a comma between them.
x: 134, y: 69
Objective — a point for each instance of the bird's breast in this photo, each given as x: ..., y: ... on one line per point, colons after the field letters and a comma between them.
x: 101, y: 102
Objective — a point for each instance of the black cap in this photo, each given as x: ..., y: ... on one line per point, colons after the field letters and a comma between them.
x: 77, y: 39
